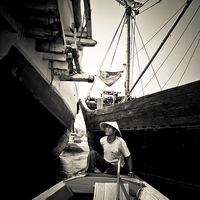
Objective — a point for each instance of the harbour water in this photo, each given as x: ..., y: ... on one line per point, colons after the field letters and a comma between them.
x: 70, y: 161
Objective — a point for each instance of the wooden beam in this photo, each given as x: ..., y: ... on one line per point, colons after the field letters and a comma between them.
x: 61, y: 7
x: 47, y: 46
x: 42, y: 33
x: 44, y: 20
x: 76, y: 6
x: 54, y: 57
x: 42, y: 7
x: 83, y: 42
x: 77, y: 77
x: 69, y: 33
x: 60, y: 66
x: 88, y: 18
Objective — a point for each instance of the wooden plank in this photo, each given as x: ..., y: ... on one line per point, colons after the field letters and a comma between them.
x: 54, y: 57
x: 176, y: 107
x: 88, y: 18
x: 60, y: 8
x: 124, y: 191
x: 86, y: 184
x: 77, y: 77
x: 79, y: 34
x: 47, y: 46
x: 110, y: 191
x: 42, y: 7
x: 60, y: 66
x: 38, y: 32
x: 99, y: 191
x: 59, y: 191
x: 83, y: 41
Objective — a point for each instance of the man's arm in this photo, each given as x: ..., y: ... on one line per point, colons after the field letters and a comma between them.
x: 130, y: 165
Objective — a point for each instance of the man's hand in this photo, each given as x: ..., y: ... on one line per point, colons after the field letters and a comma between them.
x: 131, y: 174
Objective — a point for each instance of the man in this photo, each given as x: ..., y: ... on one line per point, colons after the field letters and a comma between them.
x: 114, y: 148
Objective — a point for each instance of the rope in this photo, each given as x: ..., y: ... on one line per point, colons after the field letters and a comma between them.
x: 151, y: 6
x: 159, y: 30
x: 163, y: 42
x: 117, y: 44
x: 172, y: 50
x: 134, y: 42
x: 175, y: 68
x: 176, y: 44
x: 106, y: 53
x: 139, y: 70
x: 189, y: 62
x: 148, y: 57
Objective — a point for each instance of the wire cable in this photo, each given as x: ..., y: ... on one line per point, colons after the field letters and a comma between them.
x: 159, y: 30
x: 189, y: 62
x: 148, y: 57
x: 106, y: 53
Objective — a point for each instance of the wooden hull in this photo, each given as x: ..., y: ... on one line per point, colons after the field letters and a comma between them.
x: 161, y: 131
x: 39, y: 109
x: 79, y: 187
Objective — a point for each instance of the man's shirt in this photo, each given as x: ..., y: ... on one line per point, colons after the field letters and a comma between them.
x: 115, y: 150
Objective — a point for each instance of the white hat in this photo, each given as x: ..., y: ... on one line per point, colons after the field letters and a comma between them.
x: 113, y: 124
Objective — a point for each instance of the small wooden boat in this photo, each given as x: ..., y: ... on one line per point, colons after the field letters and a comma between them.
x: 101, y: 186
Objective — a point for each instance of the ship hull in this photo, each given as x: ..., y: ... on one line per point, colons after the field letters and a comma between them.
x: 161, y: 131
x: 38, y: 109
x: 37, y: 124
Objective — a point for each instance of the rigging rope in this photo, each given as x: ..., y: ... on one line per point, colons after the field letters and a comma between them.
x: 187, y: 4
x: 160, y: 29
x: 173, y: 49
x: 117, y: 44
x: 175, y: 68
x: 177, y: 43
x: 134, y: 42
x: 106, y: 53
x: 189, y: 62
x: 148, y: 57
x: 151, y: 6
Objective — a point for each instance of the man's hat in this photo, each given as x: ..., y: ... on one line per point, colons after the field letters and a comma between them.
x: 113, y: 124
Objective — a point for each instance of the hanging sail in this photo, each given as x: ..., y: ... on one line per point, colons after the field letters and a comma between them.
x: 109, y: 78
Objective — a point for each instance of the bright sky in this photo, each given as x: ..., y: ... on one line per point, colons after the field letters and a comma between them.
x: 106, y: 16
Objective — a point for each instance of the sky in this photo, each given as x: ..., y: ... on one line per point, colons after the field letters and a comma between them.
x: 106, y: 16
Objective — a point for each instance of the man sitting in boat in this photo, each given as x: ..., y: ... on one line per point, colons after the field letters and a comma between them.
x: 114, y: 148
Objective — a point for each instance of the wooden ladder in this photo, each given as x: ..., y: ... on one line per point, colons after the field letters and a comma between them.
x: 112, y: 191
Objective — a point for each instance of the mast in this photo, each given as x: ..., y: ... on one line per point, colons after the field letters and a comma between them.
x: 127, y: 81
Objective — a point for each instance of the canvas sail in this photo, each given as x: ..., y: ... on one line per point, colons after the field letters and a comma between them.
x: 109, y: 78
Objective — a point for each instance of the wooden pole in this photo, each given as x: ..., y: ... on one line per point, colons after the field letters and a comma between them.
x: 118, y: 183
x: 77, y: 78
x: 128, y: 15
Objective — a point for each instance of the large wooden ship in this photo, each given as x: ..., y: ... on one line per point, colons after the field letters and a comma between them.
x: 41, y: 48
x: 161, y: 129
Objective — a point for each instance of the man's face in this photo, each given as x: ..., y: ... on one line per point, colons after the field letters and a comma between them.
x: 109, y: 130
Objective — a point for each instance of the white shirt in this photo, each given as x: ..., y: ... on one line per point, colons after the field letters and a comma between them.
x: 115, y: 150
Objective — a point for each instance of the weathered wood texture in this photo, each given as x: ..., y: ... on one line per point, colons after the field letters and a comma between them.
x: 162, y: 131
x: 77, y: 77
x: 86, y: 184
x: 103, y: 186
x: 176, y: 107
x: 59, y: 191
x: 37, y: 86
x: 104, y: 191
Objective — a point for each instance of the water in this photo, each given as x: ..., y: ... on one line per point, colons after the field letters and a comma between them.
x: 70, y: 162
x: 74, y: 161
